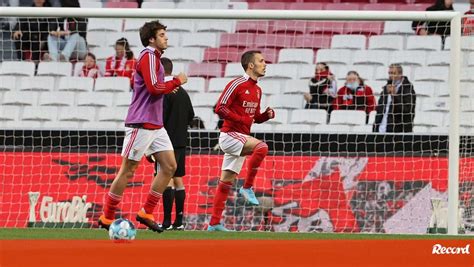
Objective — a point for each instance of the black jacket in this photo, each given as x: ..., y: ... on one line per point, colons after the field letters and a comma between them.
x: 178, y: 113
x: 402, y: 109
x: 36, y: 29
x: 319, y: 91
x: 436, y: 27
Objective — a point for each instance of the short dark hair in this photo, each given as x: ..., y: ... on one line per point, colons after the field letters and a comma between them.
x: 149, y: 29
x: 396, y: 66
x: 247, y: 57
x: 167, y: 65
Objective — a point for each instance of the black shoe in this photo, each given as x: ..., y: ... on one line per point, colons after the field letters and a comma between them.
x: 151, y: 224
x: 103, y: 224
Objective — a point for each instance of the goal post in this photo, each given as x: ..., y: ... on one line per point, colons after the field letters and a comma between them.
x: 321, y: 163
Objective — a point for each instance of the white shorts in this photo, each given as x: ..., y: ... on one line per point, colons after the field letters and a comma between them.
x: 139, y: 142
x: 232, y: 144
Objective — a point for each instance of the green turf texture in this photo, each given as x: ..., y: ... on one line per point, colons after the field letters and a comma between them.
x: 49, y: 233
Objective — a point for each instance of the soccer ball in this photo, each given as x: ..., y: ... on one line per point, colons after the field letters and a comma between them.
x: 122, y: 230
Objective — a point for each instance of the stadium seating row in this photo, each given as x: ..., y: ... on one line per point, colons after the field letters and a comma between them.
x: 223, y: 42
x: 296, y: 120
x: 391, y: 5
x: 292, y: 77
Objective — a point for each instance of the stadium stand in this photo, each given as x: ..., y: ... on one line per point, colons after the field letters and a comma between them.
x: 211, y: 58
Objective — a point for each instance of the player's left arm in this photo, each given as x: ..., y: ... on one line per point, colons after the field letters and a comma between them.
x: 268, y: 114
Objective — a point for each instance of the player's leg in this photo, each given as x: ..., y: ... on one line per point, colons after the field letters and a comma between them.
x: 258, y: 150
x: 168, y: 199
x: 168, y: 194
x: 114, y: 197
x: 162, y: 150
x: 179, y: 197
x: 135, y: 143
x: 223, y: 188
x: 232, y: 144
x: 179, y: 190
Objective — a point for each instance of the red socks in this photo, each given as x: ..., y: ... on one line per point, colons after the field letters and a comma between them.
x: 111, y: 202
x: 220, y: 198
x: 259, y: 153
x: 151, y: 201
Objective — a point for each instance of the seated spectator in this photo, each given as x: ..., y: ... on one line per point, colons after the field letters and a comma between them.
x: 90, y: 68
x: 435, y: 27
x: 355, y: 95
x: 30, y: 35
x: 123, y: 63
x: 396, y: 106
x: 68, y: 41
x: 468, y: 23
x: 322, y: 89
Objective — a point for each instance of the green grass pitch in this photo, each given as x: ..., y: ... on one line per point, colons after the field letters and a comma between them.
x: 51, y: 233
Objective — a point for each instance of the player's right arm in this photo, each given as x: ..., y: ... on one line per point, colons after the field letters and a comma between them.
x: 223, y: 105
x: 147, y: 68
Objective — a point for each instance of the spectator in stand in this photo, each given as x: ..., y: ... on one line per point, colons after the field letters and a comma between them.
x: 355, y: 95
x: 322, y: 89
x: 90, y: 68
x: 468, y: 23
x: 396, y: 106
x: 31, y: 34
x: 123, y: 63
x: 435, y: 27
x: 68, y: 41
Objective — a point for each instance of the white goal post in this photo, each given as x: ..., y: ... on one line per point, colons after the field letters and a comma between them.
x: 454, y: 68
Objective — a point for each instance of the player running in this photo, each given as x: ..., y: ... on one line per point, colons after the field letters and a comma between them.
x: 239, y: 106
x: 145, y: 134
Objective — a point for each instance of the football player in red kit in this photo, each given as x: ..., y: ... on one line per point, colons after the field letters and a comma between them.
x: 239, y: 106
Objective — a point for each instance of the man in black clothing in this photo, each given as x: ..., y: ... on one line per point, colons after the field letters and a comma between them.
x: 178, y: 114
x: 396, y: 105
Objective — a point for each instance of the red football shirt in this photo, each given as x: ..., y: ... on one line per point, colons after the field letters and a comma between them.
x: 239, y: 105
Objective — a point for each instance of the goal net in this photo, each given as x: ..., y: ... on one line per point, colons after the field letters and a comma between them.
x: 360, y: 141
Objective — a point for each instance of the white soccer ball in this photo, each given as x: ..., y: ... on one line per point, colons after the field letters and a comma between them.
x: 122, y: 229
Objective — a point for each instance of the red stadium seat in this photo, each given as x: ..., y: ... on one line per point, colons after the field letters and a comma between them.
x: 222, y: 54
x: 289, y: 26
x: 274, y: 40
x: 121, y: 5
x: 355, y: 1
x: 343, y: 6
x: 367, y: 28
x: 267, y: 5
x: 414, y: 7
x: 394, y: 1
x: 424, y: 1
x: 205, y: 70
x: 313, y: 41
x: 239, y: 40
x: 270, y: 54
x: 324, y: 27
x: 379, y: 6
x: 319, y: 1
x: 255, y: 26
x: 306, y: 6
